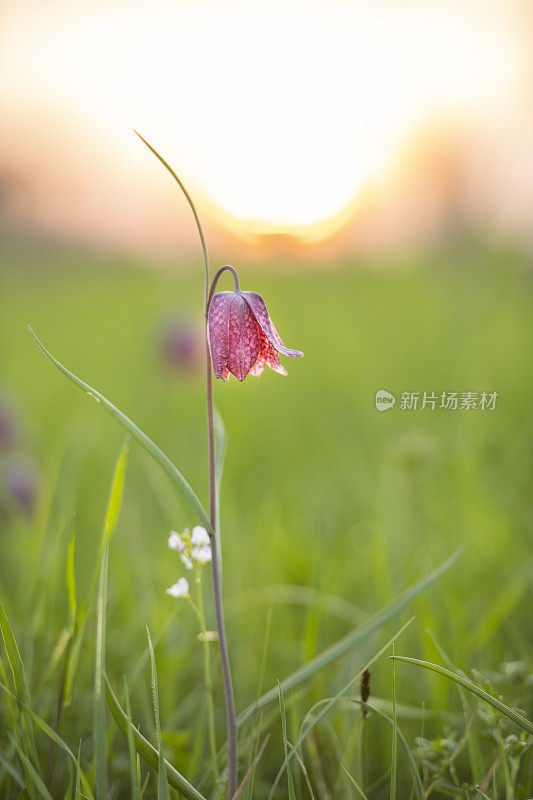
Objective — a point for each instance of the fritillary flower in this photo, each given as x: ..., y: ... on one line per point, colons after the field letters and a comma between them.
x: 242, y: 337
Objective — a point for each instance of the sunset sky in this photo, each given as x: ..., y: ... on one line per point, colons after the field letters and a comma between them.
x: 365, y: 121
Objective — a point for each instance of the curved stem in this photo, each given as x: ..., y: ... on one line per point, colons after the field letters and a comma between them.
x: 218, y: 274
x: 231, y: 720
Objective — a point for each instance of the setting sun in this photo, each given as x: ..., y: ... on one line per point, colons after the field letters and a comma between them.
x: 288, y: 119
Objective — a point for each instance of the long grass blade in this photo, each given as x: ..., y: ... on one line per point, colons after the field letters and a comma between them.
x: 70, y: 578
x: 354, y: 782
x: 251, y: 769
x: 55, y: 737
x: 332, y: 702
x: 136, y: 433
x: 37, y: 782
x: 345, y: 644
x: 115, y: 496
x: 21, y: 684
x: 80, y: 621
x: 147, y: 751
x: 292, y: 795
x: 507, y: 711
x: 6, y: 763
x: 135, y: 783
x: 394, y: 755
x: 162, y: 785
x: 100, y: 727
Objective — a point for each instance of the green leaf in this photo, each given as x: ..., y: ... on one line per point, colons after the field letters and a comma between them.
x: 136, y: 433
x: 508, y: 712
x: 100, y: 729
x: 162, y: 785
x: 345, y: 644
x: 147, y: 750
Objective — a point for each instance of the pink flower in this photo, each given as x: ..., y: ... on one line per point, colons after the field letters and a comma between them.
x: 242, y: 337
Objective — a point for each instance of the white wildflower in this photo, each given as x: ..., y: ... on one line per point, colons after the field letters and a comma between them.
x: 186, y: 561
x: 199, y: 536
x: 179, y: 589
x: 201, y: 554
x: 175, y: 542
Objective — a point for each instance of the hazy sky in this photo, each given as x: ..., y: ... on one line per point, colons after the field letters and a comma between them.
x: 284, y: 117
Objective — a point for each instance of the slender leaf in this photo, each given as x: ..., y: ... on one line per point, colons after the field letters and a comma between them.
x: 162, y: 785
x: 508, y: 712
x: 136, y: 433
x: 147, y: 751
x: 345, y: 644
x: 100, y: 728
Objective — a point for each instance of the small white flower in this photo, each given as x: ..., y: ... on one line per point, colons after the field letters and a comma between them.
x: 199, y: 536
x: 186, y: 561
x: 175, y: 543
x: 202, y: 554
x: 179, y: 589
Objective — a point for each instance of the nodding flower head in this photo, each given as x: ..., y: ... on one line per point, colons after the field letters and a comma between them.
x: 242, y: 337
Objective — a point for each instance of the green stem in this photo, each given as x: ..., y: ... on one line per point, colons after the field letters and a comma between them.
x: 208, y: 677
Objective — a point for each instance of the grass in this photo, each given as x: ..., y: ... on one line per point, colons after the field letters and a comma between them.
x: 329, y: 510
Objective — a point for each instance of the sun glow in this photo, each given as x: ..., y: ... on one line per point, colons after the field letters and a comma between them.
x: 280, y: 114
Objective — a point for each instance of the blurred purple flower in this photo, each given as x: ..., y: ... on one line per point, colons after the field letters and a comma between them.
x: 181, y: 346
x: 20, y: 485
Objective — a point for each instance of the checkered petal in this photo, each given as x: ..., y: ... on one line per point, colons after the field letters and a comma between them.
x: 244, y: 342
x: 259, y: 310
x: 218, y: 329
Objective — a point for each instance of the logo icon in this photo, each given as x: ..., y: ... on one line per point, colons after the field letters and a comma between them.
x: 384, y: 400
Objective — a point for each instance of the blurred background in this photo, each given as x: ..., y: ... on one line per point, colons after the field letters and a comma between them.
x: 368, y: 168
x: 368, y: 125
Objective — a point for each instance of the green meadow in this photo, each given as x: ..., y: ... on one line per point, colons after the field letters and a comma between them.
x: 329, y: 511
